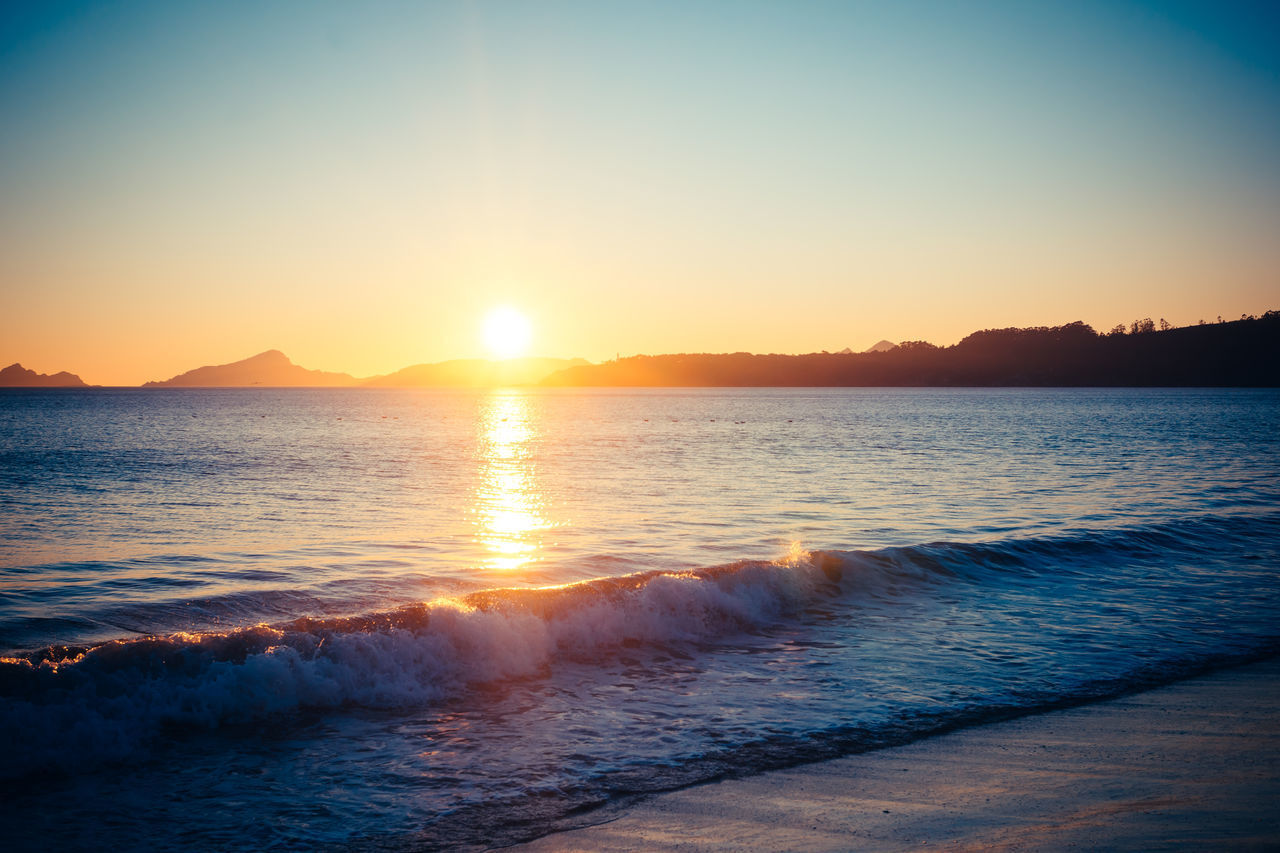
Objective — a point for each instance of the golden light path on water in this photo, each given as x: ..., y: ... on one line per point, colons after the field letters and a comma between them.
x: 509, y: 506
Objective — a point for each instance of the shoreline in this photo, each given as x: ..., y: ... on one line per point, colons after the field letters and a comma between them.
x: 1191, y: 765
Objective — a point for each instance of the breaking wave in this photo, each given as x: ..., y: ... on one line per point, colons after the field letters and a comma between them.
x: 63, y: 708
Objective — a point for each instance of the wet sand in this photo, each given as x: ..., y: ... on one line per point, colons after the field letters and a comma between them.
x: 1191, y: 766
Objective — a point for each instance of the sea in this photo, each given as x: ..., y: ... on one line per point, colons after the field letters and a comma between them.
x: 421, y: 619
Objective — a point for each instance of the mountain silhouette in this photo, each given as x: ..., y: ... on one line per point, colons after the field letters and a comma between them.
x: 17, y: 376
x: 1243, y: 352
x: 273, y: 369
x: 475, y: 373
x: 270, y: 369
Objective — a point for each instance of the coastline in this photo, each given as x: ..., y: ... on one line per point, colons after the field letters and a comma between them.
x: 1192, y: 765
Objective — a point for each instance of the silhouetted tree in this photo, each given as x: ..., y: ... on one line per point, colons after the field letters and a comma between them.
x: 1141, y: 327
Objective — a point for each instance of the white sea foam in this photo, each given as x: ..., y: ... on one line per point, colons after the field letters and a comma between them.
x: 64, y: 709
x: 60, y: 712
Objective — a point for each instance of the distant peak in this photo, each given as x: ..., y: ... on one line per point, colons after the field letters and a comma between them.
x: 15, y: 375
x: 881, y: 346
x: 270, y: 369
x: 269, y: 357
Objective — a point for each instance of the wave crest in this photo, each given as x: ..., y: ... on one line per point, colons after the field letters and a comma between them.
x: 63, y: 707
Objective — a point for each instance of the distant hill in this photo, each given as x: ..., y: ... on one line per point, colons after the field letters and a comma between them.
x: 474, y: 373
x: 881, y: 346
x: 1244, y: 352
x: 270, y: 369
x: 17, y: 376
x: 273, y: 369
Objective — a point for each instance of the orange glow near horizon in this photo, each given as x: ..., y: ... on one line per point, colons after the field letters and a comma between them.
x: 508, y: 503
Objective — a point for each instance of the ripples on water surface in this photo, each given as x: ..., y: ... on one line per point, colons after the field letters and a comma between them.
x: 756, y: 577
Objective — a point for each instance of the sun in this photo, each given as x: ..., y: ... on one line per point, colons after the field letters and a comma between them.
x: 507, y: 332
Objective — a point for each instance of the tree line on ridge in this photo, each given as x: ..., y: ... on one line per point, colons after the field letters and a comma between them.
x: 1244, y: 352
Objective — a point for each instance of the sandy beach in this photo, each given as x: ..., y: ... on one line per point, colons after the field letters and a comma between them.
x: 1190, y: 766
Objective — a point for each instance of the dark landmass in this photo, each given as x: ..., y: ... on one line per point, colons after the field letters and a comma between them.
x: 273, y: 369
x: 1243, y: 352
x: 17, y: 376
x: 270, y: 369
x: 475, y: 373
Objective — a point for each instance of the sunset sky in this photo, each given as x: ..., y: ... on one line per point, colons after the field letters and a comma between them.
x: 359, y: 184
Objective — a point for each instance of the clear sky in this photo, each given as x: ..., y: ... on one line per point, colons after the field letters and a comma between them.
x: 357, y: 184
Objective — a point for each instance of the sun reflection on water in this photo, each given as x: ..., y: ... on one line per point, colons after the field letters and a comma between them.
x: 508, y: 503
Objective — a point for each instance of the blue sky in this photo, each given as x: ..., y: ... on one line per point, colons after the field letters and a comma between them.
x: 357, y: 184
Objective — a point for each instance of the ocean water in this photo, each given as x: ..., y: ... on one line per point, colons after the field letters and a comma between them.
x: 404, y: 619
